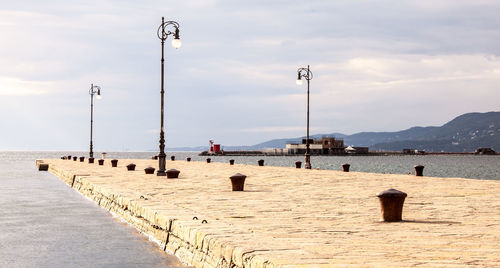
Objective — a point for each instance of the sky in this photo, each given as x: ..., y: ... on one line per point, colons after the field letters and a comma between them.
x: 377, y: 66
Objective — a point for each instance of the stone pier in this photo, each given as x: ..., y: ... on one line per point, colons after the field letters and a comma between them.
x: 296, y: 217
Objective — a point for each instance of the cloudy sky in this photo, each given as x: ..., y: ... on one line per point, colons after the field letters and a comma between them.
x: 378, y: 66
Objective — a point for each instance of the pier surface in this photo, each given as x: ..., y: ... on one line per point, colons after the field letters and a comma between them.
x: 295, y: 217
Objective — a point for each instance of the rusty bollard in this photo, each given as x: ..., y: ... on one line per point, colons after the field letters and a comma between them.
x: 149, y: 170
x: 261, y: 162
x: 298, y: 164
x: 231, y: 162
x: 154, y: 157
x: 419, y: 170
x: 69, y: 157
x: 345, y: 167
x: 188, y: 159
x: 173, y: 173
x: 82, y: 158
x: 172, y: 157
x: 63, y: 157
x: 74, y: 158
x: 114, y: 163
x: 101, y: 162
x: 91, y: 160
x: 208, y: 160
x: 391, y: 204
x: 43, y: 167
x: 238, y: 181
x: 131, y: 167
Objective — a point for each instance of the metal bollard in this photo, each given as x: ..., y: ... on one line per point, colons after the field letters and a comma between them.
x: 345, y: 167
x: 82, y: 158
x: 114, y: 163
x: 91, y: 160
x: 298, y: 164
x: 173, y: 173
x: 101, y: 162
x: 172, y: 157
x: 149, y: 170
x: 261, y: 162
x: 391, y: 204
x: 188, y: 159
x: 208, y: 160
x: 419, y: 170
x: 238, y: 182
x: 69, y: 157
x: 74, y: 158
x: 131, y: 167
x: 231, y: 162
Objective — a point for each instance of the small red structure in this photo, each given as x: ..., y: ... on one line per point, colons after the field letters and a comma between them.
x: 217, y: 148
x: 214, y: 148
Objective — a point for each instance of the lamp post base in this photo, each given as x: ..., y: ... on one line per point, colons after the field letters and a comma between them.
x: 161, y: 173
x: 308, y: 162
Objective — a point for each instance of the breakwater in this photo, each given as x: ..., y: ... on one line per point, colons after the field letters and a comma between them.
x: 289, y: 216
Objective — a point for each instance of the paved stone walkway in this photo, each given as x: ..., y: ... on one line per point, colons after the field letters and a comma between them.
x: 289, y: 216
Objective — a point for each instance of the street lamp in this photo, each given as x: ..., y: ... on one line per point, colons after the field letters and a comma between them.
x: 94, y: 89
x: 176, y: 43
x: 307, y: 74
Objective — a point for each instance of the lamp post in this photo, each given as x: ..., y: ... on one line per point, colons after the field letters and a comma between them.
x: 176, y: 43
x: 94, y: 89
x: 307, y: 74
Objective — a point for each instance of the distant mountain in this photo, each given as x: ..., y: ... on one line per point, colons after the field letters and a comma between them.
x: 465, y: 133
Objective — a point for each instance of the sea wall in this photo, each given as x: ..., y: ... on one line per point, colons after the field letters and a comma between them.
x: 295, y: 217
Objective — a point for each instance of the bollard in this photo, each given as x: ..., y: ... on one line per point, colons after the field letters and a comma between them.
x: 173, y: 173
x: 298, y: 164
x: 261, y: 162
x: 69, y: 157
x: 114, y: 163
x: 419, y: 170
x: 91, y: 160
x: 231, y: 162
x: 391, y: 205
x: 208, y: 160
x: 131, y: 167
x: 63, y: 157
x: 188, y: 159
x: 82, y: 158
x: 172, y: 158
x: 238, y: 182
x: 74, y: 158
x: 43, y: 167
x: 101, y: 162
x: 149, y: 170
x: 345, y: 167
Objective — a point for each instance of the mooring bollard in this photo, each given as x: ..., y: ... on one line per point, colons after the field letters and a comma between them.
x: 345, y: 167
x: 131, y: 167
x: 419, y: 170
x: 74, y: 158
x: 149, y: 170
x: 261, y: 162
x: 188, y: 159
x: 238, y: 181
x: 173, y: 173
x: 63, y: 157
x: 69, y: 157
x: 91, y: 160
x: 43, y: 167
x: 208, y: 160
x: 391, y: 204
x: 172, y: 158
x: 231, y: 162
x: 101, y: 162
x: 298, y: 164
x: 114, y: 163
x: 82, y: 158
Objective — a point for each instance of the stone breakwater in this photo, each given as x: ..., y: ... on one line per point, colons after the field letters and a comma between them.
x: 296, y: 217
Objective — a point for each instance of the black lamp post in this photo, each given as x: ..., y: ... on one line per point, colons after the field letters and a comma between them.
x: 94, y: 89
x: 176, y: 43
x: 307, y: 74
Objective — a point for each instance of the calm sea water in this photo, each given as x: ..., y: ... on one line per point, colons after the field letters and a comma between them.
x: 45, y: 223
x: 463, y: 166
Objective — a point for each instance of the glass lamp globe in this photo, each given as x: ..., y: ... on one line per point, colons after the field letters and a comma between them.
x: 176, y: 43
x: 299, y: 82
x: 99, y: 96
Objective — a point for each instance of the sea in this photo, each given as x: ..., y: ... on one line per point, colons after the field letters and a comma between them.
x: 45, y: 223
